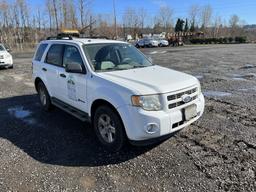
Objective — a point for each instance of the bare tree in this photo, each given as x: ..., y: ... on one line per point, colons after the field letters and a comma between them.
x: 193, y: 14
x: 234, y: 24
x: 131, y: 21
x: 206, y: 16
x: 84, y: 7
x: 55, y: 14
x: 142, y: 17
x: 217, y: 26
x: 50, y: 11
x: 165, y: 17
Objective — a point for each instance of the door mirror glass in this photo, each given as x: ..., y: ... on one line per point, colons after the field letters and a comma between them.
x: 74, y: 68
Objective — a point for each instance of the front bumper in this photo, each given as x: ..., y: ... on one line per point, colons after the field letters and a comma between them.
x: 137, y: 120
x: 6, y: 62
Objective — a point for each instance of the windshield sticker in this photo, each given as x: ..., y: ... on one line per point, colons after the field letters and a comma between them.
x: 71, y: 88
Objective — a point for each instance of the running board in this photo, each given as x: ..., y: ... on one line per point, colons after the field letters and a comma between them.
x: 71, y: 110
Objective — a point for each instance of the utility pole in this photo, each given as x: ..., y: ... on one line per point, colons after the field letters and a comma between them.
x: 114, y: 8
x: 90, y: 29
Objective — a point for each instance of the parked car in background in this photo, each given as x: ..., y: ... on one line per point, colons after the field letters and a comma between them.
x: 150, y: 42
x: 140, y: 43
x: 5, y: 57
x: 162, y: 42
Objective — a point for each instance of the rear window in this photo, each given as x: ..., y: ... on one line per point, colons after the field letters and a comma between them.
x: 54, y: 55
x: 40, y: 51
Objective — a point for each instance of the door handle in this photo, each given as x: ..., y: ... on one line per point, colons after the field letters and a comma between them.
x: 63, y: 75
x: 44, y: 69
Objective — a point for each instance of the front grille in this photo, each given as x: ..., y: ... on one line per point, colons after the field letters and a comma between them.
x: 175, y: 100
x: 179, y: 95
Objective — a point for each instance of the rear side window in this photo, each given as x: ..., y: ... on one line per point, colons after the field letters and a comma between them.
x: 54, y: 55
x: 40, y: 51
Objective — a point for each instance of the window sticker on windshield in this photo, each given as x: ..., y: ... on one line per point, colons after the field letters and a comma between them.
x: 71, y: 88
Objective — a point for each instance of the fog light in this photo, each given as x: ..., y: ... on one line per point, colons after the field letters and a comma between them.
x: 152, y: 128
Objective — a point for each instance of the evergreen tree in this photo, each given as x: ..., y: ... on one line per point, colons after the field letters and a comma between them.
x: 179, y: 25
x: 186, y: 26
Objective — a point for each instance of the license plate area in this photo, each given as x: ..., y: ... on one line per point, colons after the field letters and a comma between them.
x: 190, y: 112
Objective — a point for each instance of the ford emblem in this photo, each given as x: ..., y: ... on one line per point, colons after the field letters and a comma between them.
x: 186, y: 98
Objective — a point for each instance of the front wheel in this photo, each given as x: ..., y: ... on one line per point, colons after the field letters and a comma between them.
x: 109, y: 128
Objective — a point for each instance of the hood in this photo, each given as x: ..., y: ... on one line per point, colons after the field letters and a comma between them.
x: 151, y: 80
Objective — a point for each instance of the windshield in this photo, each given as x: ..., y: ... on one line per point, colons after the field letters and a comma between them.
x: 111, y: 57
x: 2, y: 48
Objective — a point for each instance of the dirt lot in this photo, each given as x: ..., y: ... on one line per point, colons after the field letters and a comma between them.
x: 42, y: 151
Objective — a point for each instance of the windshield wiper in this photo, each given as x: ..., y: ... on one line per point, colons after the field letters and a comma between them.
x: 139, y: 66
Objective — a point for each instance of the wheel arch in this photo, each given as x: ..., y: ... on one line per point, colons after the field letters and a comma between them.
x: 100, y: 102
x: 37, y: 81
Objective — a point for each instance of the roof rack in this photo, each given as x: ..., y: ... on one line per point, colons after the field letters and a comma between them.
x: 62, y: 36
x: 59, y: 37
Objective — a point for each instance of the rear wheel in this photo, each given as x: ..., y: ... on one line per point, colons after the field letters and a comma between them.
x: 109, y: 128
x: 45, y: 99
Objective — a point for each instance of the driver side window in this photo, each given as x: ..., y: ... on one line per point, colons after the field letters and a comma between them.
x: 72, y: 55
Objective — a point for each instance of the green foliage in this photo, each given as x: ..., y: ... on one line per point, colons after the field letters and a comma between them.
x: 186, y: 26
x: 179, y: 25
x: 230, y: 39
x: 240, y: 39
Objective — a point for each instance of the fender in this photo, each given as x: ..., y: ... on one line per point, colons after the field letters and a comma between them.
x: 104, y: 93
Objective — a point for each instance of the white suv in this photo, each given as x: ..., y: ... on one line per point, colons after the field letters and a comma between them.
x: 5, y: 57
x: 116, y: 88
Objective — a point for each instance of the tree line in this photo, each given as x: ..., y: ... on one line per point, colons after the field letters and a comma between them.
x: 23, y: 26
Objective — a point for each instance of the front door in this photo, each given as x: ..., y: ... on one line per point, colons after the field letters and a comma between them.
x: 72, y: 86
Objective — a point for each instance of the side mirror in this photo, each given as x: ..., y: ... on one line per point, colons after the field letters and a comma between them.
x: 74, y: 68
x: 8, y: 50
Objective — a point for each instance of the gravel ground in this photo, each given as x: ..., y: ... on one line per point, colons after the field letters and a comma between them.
x: 42, y: 151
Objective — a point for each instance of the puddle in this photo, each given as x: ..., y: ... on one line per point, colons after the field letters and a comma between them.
x: 29, y: 84
x: 247, y: 89
x: 199, y: 76
x: 157, y: 52
x: 248, y: 66
x: 211, y: 94
x: 243, y: 77
x: 20, y: 113
x: 153, y: 52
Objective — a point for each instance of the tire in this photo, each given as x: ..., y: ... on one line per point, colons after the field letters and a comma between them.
x: 11, y: 67
x: 109, y: 128
x: 44, y: 96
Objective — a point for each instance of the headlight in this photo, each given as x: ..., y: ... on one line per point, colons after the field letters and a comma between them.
x: 1, y: 56
x: 147, y: 102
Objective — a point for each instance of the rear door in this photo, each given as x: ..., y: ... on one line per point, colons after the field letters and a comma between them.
x: 52, y: 67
